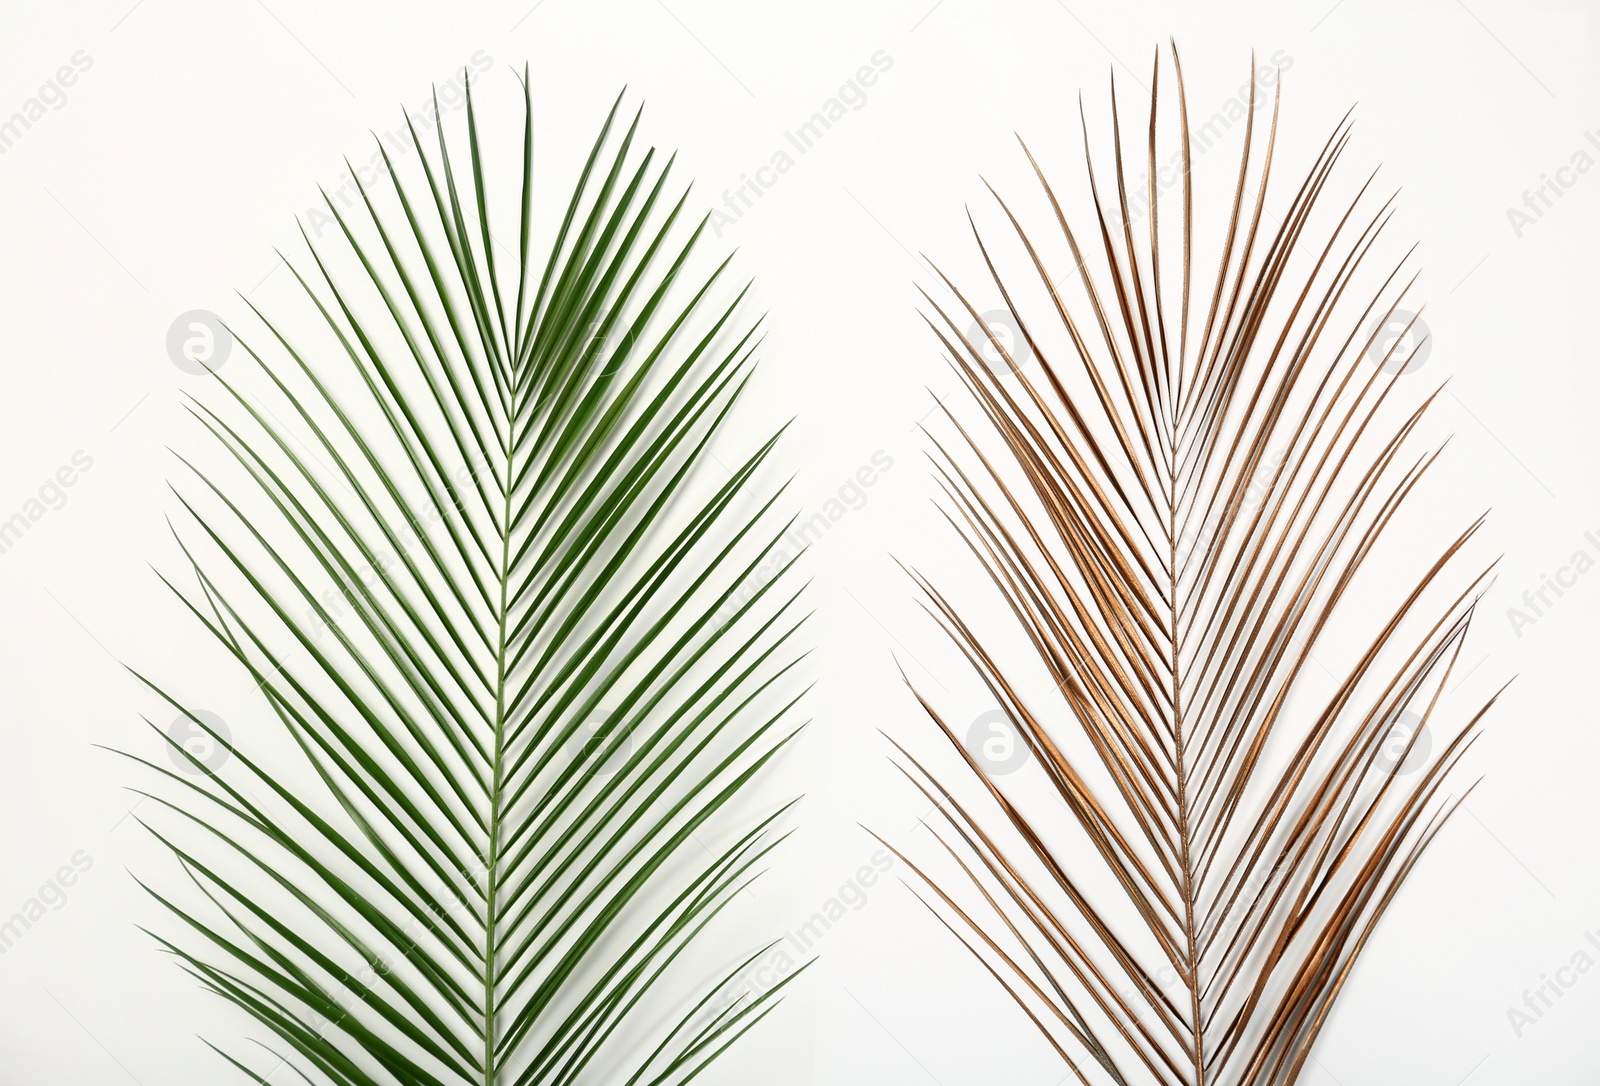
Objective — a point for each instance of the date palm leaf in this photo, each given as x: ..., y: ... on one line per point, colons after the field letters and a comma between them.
x: 1173, y: 480
x: 519, y: 665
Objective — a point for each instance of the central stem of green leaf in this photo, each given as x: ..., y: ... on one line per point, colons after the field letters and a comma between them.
x: 492, y: 863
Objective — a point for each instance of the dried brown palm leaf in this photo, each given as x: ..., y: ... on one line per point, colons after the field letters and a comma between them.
x: 1174, y: 505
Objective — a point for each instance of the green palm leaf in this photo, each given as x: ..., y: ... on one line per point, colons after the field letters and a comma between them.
x: 518, y: 646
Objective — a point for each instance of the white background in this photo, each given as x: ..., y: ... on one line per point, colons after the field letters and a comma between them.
x: 201, y: 129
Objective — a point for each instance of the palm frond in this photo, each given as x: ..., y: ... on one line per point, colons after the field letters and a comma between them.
x: 1176, y: 479
x: 513, y: 671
